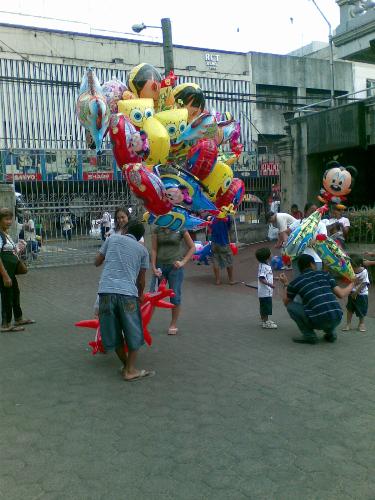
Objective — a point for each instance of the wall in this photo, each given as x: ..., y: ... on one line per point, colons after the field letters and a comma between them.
x: 72, y: 48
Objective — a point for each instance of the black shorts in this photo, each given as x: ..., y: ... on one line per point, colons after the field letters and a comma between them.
x: 265, y: 306
x: 358, y: 305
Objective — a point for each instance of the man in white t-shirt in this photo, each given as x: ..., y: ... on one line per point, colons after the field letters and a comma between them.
x: 337, y: 217
x: 282, y: 221
x: 105, y: 224
x: 29, y: 236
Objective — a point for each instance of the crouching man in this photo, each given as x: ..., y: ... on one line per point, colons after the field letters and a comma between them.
x: 320, y: 309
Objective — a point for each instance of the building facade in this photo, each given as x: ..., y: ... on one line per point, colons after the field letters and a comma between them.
x: 40, y: 73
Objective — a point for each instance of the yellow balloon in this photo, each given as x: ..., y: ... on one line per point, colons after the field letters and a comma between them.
x: 174, y: 121
x: 158, y: 139
x: 137, y: 110
x: 219, y: 180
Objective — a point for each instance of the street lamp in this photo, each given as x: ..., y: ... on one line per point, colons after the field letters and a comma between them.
x: 166, y: 29
x: 330, y: 53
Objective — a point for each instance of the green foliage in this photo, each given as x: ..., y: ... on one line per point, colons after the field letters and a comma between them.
x: 362, y: 226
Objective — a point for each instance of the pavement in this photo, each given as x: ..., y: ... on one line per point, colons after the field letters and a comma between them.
x: 234, y: 412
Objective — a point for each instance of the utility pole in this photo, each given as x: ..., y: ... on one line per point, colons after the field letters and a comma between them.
x: 330, y: 53
x: 166, y: 27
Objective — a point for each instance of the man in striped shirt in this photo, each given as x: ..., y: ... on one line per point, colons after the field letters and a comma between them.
x: 320, y: 309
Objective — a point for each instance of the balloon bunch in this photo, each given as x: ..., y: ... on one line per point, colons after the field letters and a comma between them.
x: 168, y: 146
x: 204, y: 251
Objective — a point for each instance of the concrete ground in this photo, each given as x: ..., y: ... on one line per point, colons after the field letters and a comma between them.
x: 234, y: 412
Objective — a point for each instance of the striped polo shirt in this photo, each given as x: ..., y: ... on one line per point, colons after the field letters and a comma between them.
x: 315, y: 289
x: 124, y: 257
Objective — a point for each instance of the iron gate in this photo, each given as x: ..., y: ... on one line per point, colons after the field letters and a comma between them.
x: 56, y: 187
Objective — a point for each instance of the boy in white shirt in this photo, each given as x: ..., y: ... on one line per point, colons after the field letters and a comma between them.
x: 265, y: 286
x: 358, y: 298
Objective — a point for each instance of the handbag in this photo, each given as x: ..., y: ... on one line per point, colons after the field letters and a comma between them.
x: 13, y: 265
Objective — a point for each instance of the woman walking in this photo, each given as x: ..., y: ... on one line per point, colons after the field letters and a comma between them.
x: 10, y: 265
x: 166, y: 262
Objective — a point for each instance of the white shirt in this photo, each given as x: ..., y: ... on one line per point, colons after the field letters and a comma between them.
x: 344, y: 221
x: 265, y: 271
x: 363, y: 276
x: 66, y: 222
x: 9, y: 245
x: 29, y: 235
x: 283, y: 221
x: 106, y: 219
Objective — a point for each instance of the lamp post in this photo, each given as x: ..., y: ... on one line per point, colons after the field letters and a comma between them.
x: 330, y: 53
x: 166, y: 28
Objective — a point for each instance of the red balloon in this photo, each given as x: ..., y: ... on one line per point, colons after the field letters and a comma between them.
x: 234, y: 194
x: 123, y: 133
x: 201, y: 158
x: 149, y: 188
x: 234, y: 248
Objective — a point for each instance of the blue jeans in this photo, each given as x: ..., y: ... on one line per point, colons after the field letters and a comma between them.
x: 175, y: 277
x: 119, y: 317
x: 297, y: 313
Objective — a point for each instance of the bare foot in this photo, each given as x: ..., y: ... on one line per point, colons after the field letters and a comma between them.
x: 346, y: 328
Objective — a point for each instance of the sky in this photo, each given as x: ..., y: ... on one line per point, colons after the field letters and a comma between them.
x: 274, y: 26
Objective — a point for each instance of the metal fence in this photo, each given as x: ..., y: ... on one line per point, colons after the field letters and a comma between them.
x: 59, y: 186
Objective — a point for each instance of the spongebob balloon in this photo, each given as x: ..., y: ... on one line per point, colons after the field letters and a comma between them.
x: 174, y: 121
x: 218, y: 181
x: 137, y: 110
x: 158, y: 140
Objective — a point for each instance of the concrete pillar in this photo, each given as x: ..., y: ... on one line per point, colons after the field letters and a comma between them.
x: 285, y: 153
x: 345, y: 6
x: 294, y: 169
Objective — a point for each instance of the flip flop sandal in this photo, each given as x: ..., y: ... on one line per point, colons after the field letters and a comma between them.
x: 172, y: 331
x: 142, y: 374
x: 17, y: 329
x: 24, y: 322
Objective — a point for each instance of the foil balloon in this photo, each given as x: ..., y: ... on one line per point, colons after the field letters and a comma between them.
x: 145, y: 81
x: 92, y: 110
x: 149, y: 188
x: 129, y: 145
x: 137, y: 110
x: 334, y: 257
x: 177, y: 219
x: 158, y: 140
x: 203, y: 127
x: 201, y: 158
x: 184, y: 189
x: 90, y: 82
x: 174, y: 121
x: 337, y: 183
x: 233, y: 196
x: 218, y: 181
x: 301, y: 236
x: 112, y: 91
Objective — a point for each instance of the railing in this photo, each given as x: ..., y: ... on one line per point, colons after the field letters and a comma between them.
x: 309, y: 107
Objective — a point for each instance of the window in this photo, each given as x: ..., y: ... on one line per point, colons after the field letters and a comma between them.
x: 276, y: 97
x: 314, y: 96
x: 370, y: 85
